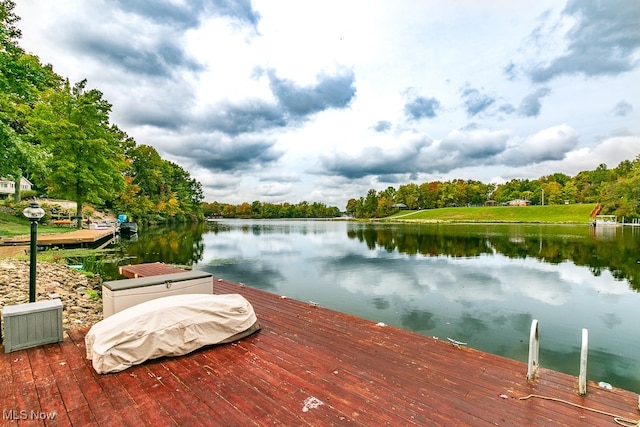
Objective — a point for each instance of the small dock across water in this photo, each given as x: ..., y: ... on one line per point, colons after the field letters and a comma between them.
x: 75, y: 238
x: 307, y: 366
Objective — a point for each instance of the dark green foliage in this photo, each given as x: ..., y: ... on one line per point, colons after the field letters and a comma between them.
x: 270, y: 210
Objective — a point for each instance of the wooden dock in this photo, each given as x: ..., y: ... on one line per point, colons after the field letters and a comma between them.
x: 307, y: 366
x: 76, y: 238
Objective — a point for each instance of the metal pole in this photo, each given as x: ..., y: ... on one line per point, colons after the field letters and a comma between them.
x: 582, y: 379
x: 534, y: 351
x: 32, y: 265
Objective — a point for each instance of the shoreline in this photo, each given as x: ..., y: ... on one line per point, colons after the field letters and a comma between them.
x: 53, y: 281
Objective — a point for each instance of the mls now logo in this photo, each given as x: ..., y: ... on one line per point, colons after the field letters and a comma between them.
x: 27, y: 415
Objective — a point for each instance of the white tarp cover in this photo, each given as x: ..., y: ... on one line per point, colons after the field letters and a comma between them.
x: 169, y: 326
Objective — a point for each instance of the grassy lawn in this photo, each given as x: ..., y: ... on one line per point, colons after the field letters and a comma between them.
x: 562, y: 214
x: 13, y: 226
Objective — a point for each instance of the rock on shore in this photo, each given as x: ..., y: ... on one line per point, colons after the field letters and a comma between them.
x: 80, y: 308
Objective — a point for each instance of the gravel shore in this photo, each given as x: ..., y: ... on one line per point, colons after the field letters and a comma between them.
x: 80, y: 308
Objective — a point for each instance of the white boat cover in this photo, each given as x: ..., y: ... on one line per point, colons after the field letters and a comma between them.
x: 169, y: 326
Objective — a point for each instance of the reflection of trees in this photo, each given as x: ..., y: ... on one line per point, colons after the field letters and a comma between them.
x: 619, y: 254
x: 418, y: 321
x: 181, y: 244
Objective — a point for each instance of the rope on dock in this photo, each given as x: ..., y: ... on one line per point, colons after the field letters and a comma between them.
x: 622, y: 421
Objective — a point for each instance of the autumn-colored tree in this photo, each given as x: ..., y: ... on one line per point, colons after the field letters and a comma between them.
x: 86, y: 153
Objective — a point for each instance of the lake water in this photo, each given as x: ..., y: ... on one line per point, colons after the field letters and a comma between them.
x: 479, y: 284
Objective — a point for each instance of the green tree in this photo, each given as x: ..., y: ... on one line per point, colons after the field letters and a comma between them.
x: 553, y: 193
x: 22, y: 79
x: 370, y: 204
x: 429, y: 194
x: 408, y: 194
x: 622, y: 196
x: 352, y: 206
x: 159, y: 190
x: 86, y: 162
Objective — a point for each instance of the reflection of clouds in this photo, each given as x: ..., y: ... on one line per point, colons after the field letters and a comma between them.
x: 218, y: 246
x: 276, y: 245
x: 462, y: 280
x: 250, y: 273
x: 378, y: 279
x: 497, y: 277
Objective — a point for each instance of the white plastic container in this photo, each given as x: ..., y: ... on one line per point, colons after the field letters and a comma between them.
x: 120, y: 294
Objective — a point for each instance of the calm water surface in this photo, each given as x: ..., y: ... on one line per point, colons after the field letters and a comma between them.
x: 480, y: 284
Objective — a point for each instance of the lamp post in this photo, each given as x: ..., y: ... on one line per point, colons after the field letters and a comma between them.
x: 33, y: 212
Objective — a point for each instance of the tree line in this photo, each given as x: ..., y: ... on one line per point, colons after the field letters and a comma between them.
x: 60, y: 137
x: 617, y: 190
x: 270, y: 210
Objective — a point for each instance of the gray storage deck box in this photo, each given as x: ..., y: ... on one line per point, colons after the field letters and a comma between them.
x: 120, y: 294
x: 32, y: 324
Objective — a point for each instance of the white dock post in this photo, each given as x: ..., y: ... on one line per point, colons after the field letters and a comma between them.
x: 534, y: 351
x: 582, y: 380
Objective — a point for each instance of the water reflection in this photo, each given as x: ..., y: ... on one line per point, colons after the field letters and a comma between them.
x: 481, y: 284
x: 615, y: 248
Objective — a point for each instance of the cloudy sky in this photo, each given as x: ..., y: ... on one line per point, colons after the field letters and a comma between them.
x: 314, y: 100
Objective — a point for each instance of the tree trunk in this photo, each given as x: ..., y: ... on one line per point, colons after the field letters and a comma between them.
x: 79, y: 206
x: 16, y: 194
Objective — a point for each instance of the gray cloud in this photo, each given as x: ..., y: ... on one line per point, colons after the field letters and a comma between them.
x: 470, y: 147
x: 421, y: 107
x: 159, y: 58
x: 375, y: 161
x: 150, y: 44
x: 222, y: 154
x: 241, y: 10
x: 294, y: 105
x: 507, y: 108
x: 164, y: 117
x: 475, y: 102
x: 247, y: 117
x: 382, y: 126
x: 510, y: 70
x: 622, y: 109
x: 530, y: 105
x: 332, y: 91
x: 603, y: 40
x: 475, y: 144
x: 188, y: 14
x: 284, y: 177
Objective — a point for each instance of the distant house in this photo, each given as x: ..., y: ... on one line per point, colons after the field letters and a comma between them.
x: 400, y: 206
x: 8, y: 187
x: 518, y: 202
x: 491, y: 203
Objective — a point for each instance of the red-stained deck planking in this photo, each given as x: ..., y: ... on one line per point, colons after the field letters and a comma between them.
x: 363, y: 373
